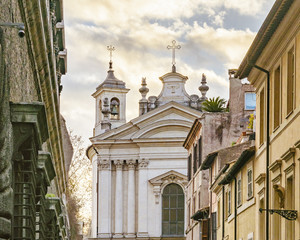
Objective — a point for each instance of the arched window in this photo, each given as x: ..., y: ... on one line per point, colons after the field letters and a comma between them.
x: 173, y: 211
x: 100, y: 111
x: 115, y: 108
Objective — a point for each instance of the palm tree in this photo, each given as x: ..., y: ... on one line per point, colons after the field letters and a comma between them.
x: 214, y: 105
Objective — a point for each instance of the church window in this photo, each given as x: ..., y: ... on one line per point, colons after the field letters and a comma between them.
x: 173, y: 211
x: 115, y: 109
x: 290, y: 81
x: 250, y: 101
x: 276, y: 98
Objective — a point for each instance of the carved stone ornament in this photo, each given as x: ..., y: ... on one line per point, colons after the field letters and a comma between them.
x: 131, y: 164
x: 119, y: 164
x: 163, y: 180
x: 281, y: 193
x: 143, y: 163
x: 104, y: 164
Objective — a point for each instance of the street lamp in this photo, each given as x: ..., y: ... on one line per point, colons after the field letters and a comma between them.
x: 19, y: 26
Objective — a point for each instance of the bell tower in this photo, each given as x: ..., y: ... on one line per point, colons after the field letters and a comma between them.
x: 110, y: 99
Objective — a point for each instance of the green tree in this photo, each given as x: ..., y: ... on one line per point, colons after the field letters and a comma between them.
x: 214, y: 105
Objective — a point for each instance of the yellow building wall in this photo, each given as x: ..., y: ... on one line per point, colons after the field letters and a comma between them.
x: 286, y: 136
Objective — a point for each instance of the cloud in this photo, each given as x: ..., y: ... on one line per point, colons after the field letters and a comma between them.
x: 229, y: 44
x: 140, y: 31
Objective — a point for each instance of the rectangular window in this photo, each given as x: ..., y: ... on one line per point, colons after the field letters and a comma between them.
x: 189, y: 214
x: 226, y: 205
x: 229, y: 200
x: 189, y: 167
x: 290, y: 81
x: 199, y: 202
x: 214, y: 225
x: 219, y: 214
x: 194, y: 205
x: 250, y: 101
x: 205, y: 230
x: 276, y: 98
x: 195, y: 158
x: 290, y: 204
x: 239, y: 189
x: 261, y: 116
x: 200, y: 151
x: 250, y: 182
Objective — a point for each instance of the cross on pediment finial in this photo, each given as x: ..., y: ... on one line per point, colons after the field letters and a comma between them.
x: 110, y: 48
x: 173, y: 47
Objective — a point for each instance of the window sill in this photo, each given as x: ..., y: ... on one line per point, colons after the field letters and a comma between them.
x: 289, y: 114
x: 246, y: 205
x: 275, y: 129
x: 261, y: 145
x: 250, y: 198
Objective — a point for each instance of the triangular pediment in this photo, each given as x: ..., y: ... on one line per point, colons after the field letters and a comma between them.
x: 171, y: 120
x: 168, y: 177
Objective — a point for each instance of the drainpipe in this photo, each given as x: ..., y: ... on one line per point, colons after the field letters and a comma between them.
x: 223, y: 213
x: 235, y: 209
x: 97, y: 190
x: 267, y: 149
x: 210, y: 206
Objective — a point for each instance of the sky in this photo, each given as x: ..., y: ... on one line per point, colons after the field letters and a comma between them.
x: 214, y: 36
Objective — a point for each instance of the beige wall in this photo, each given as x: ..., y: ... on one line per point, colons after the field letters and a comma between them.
x: 283, y: 140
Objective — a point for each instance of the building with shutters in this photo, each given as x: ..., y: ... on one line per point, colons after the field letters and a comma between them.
x: 209, y: 133
x: 272, y: 65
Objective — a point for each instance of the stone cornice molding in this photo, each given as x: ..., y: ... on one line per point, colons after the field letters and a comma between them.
x: 288, y: 154
x: 143, y: 163
x: 163, y: 180
x: 275, y: 165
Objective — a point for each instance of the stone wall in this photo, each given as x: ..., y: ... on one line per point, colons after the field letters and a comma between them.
x: 16, y: 60
x: 28, y: 78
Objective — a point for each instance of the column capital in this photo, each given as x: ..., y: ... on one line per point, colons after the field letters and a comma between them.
x: 143, y: 163
x: 119, y: 164
x: 131, y: 164
x: 103, y: 164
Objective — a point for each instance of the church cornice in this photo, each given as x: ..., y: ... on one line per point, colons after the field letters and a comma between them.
x: 172, y: 74
x: 115, y: 90
x: 136, y: 122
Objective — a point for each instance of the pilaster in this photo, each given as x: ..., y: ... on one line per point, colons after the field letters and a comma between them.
x: 104, y: 203
x: 131, y: 199
x: 119, y: 200
x: 143, y: 198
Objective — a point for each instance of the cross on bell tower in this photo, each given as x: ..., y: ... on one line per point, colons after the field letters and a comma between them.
x: 110, y: 48
x: 173, y: 47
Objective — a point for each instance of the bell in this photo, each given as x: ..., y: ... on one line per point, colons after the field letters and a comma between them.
x: 114, y: 110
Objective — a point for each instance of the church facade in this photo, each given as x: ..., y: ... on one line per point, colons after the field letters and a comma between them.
x: 140, y: 167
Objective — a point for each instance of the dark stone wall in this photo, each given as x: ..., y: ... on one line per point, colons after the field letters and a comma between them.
x: 17, y: 84
x: 16, y: 58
